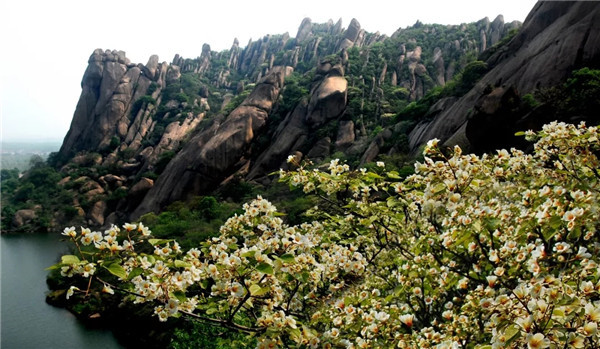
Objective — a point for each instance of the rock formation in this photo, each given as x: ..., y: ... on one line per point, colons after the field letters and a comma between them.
x: 110, y: 86
x: 554, y: 40
x: 196, y: 123
x: 327, y: 102
x: 218, y: 151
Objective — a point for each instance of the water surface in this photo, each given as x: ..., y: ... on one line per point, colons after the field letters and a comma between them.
x: 26, y: 320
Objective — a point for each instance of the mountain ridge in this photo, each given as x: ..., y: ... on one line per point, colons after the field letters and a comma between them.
x: 144, y: 136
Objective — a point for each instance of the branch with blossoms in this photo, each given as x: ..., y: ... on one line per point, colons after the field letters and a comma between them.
x: 498, y: 250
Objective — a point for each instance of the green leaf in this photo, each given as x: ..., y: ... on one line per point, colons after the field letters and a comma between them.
x: 304, y: 276
x: 512, y: 333
x: 493, y: 223
x: 249, y: 254
x: 371, y: 175
x: 204, y: 283
x: 555, y: 222
x: 438, y: 188
x: 393, y: 175
x: 53, y: 267
x: 254, y: 288
x: 265, y: 268
x: 154, y: 242
x: 117, y: 270
x: 211, y: 311
x: 262, y: 291
x: 180, y: 295
x: 233, y: 246
x: 520, y: 133
x: 135, y: 272
x: 181, y: 264
x: 69, y: 259
x: 287, y: 258
x: 295, y: 335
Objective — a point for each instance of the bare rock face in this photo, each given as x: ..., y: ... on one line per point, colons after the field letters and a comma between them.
x: 290, y: 135
x: 438, y: 62
x: 174, y: 134
x: 111, y: 181
x: 217, y: 151
x: 304, y: 31
x: 353, y: 30
x: 141, y: 187
x: 23, y: 217
x: 353, y: 36
x: 110, y: 86
x: 320, y: 150
x: 373, y: 150
x: 327, y: 101
x: 95, y: 215
x: 556, y: 38
x: 345, y: 135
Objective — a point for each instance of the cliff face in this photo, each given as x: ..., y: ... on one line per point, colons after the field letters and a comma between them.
x: 110, y: 87
x: 169, y: 131
x: 218, y: 151
x: 556, y: 38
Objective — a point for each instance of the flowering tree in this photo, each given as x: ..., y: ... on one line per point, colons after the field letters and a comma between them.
x: 480, y: 252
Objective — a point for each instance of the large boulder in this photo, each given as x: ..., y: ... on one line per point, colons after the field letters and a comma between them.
x: 304, y: 31
x: 96, y: 213
x: 23, y: 217
x: 141, y: 187
x: 328, y: 101
x: 345, y: 135
x: 289, y: 136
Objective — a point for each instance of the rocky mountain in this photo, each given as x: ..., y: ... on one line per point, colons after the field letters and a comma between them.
x: 160, y: 132
x: 556, y: 38
x: 144, y: 136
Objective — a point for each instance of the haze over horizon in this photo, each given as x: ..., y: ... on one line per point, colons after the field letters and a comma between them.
x: 47, y: 48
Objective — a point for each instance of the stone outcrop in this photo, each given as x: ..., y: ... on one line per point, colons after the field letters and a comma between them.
x: 23, y: 217
x: 95, y: 215
x: 110, y: 87
x: 218, y: 151
x: 556, y: 38
x: 304, y: 31
x: 353, y: 35
x: 345, y: 135
x: 327, y: 102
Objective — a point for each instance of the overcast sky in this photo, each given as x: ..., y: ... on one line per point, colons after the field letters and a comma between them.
x: 46, y: 44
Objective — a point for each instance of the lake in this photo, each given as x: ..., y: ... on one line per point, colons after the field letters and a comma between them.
x: 26, y: 320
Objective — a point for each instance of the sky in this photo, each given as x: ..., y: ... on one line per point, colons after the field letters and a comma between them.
x: 46, y: 44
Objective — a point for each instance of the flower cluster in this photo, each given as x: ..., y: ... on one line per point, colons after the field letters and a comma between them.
x: 499, y: 250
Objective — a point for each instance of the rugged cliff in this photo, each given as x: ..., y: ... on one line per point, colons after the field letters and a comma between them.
x: 152, y: 134
x: 556, y: 38
x: 144, y: 136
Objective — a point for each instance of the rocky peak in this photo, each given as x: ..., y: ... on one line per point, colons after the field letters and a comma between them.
x: 352, y: 36
x: 110, y: 86
x: 304, y: 31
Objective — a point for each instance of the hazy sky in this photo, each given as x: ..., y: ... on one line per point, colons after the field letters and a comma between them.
x: 46, y: 44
